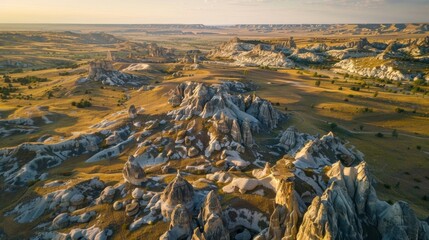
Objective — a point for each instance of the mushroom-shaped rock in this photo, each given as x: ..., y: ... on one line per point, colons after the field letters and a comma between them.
x: 178, y: 191
x: 133, y: 173
x: 180, y: 225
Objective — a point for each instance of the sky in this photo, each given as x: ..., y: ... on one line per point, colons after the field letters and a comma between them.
x: 214, y: 12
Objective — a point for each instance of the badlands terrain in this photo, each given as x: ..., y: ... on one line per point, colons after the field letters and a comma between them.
x: 214, y: 132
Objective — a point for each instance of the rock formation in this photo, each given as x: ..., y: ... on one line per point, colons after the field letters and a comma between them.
x: 287, y: 214
x: 212, y: 225
x: 236, y: 132
x: 325, y: 151
x: 232, y: 115
x: 133, y: 173
x: 251, y: 54
x: 350, y: 209
x: 247, y: 134
x: 180, y: 225
x: 104, y: 72
x: 132, y: 112
x: 178, y: 191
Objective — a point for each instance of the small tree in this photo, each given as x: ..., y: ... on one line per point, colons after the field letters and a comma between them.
x: 399, y: 110
x: 317, y: 83
x: 6, y: 78
x: 333, y: 125
x: 375, y: 93
x: 361, y: 127
x: 380, y: 135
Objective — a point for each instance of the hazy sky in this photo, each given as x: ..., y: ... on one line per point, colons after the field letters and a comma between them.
x: 213, y: 11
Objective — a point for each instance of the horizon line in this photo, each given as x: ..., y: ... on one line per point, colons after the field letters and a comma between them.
x: 229, y: 24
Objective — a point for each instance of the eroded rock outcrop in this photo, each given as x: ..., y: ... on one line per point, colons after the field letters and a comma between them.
x: 133, y: 173
x: 233, y: 116
x: 350, y: 209
x: 212, y: 225
x: 287, y: 215
x: 180, y: 225
x: 253, y: 53
x: 104, y: 72
x: 178, y: 191
x: 325, y: 151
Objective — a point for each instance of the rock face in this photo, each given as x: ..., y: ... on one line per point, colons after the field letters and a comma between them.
x: 285, y: 220
x: 213, y: 226
x: 133, y: 173
x: 291, y: 140
x: 178, y: 191
x: 180, y: 225
x: 247, y: 134
x: 104, y: 72
x: 350, y: 209
x: 254, y: 54
x: 325, y: 151
x: 381, y: 71
x: 236, y: 132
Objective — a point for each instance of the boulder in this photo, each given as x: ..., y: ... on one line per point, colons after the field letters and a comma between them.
x: 193, y: 152
x: 132, y: 209
x: 61, y: 221
x: 107, y: 195
x: 77, y: 199
x: 117, y: 205
x: 137, y: 193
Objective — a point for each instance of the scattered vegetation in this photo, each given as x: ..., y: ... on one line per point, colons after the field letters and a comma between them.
x: 379, y: 135
x: 82, y: 104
